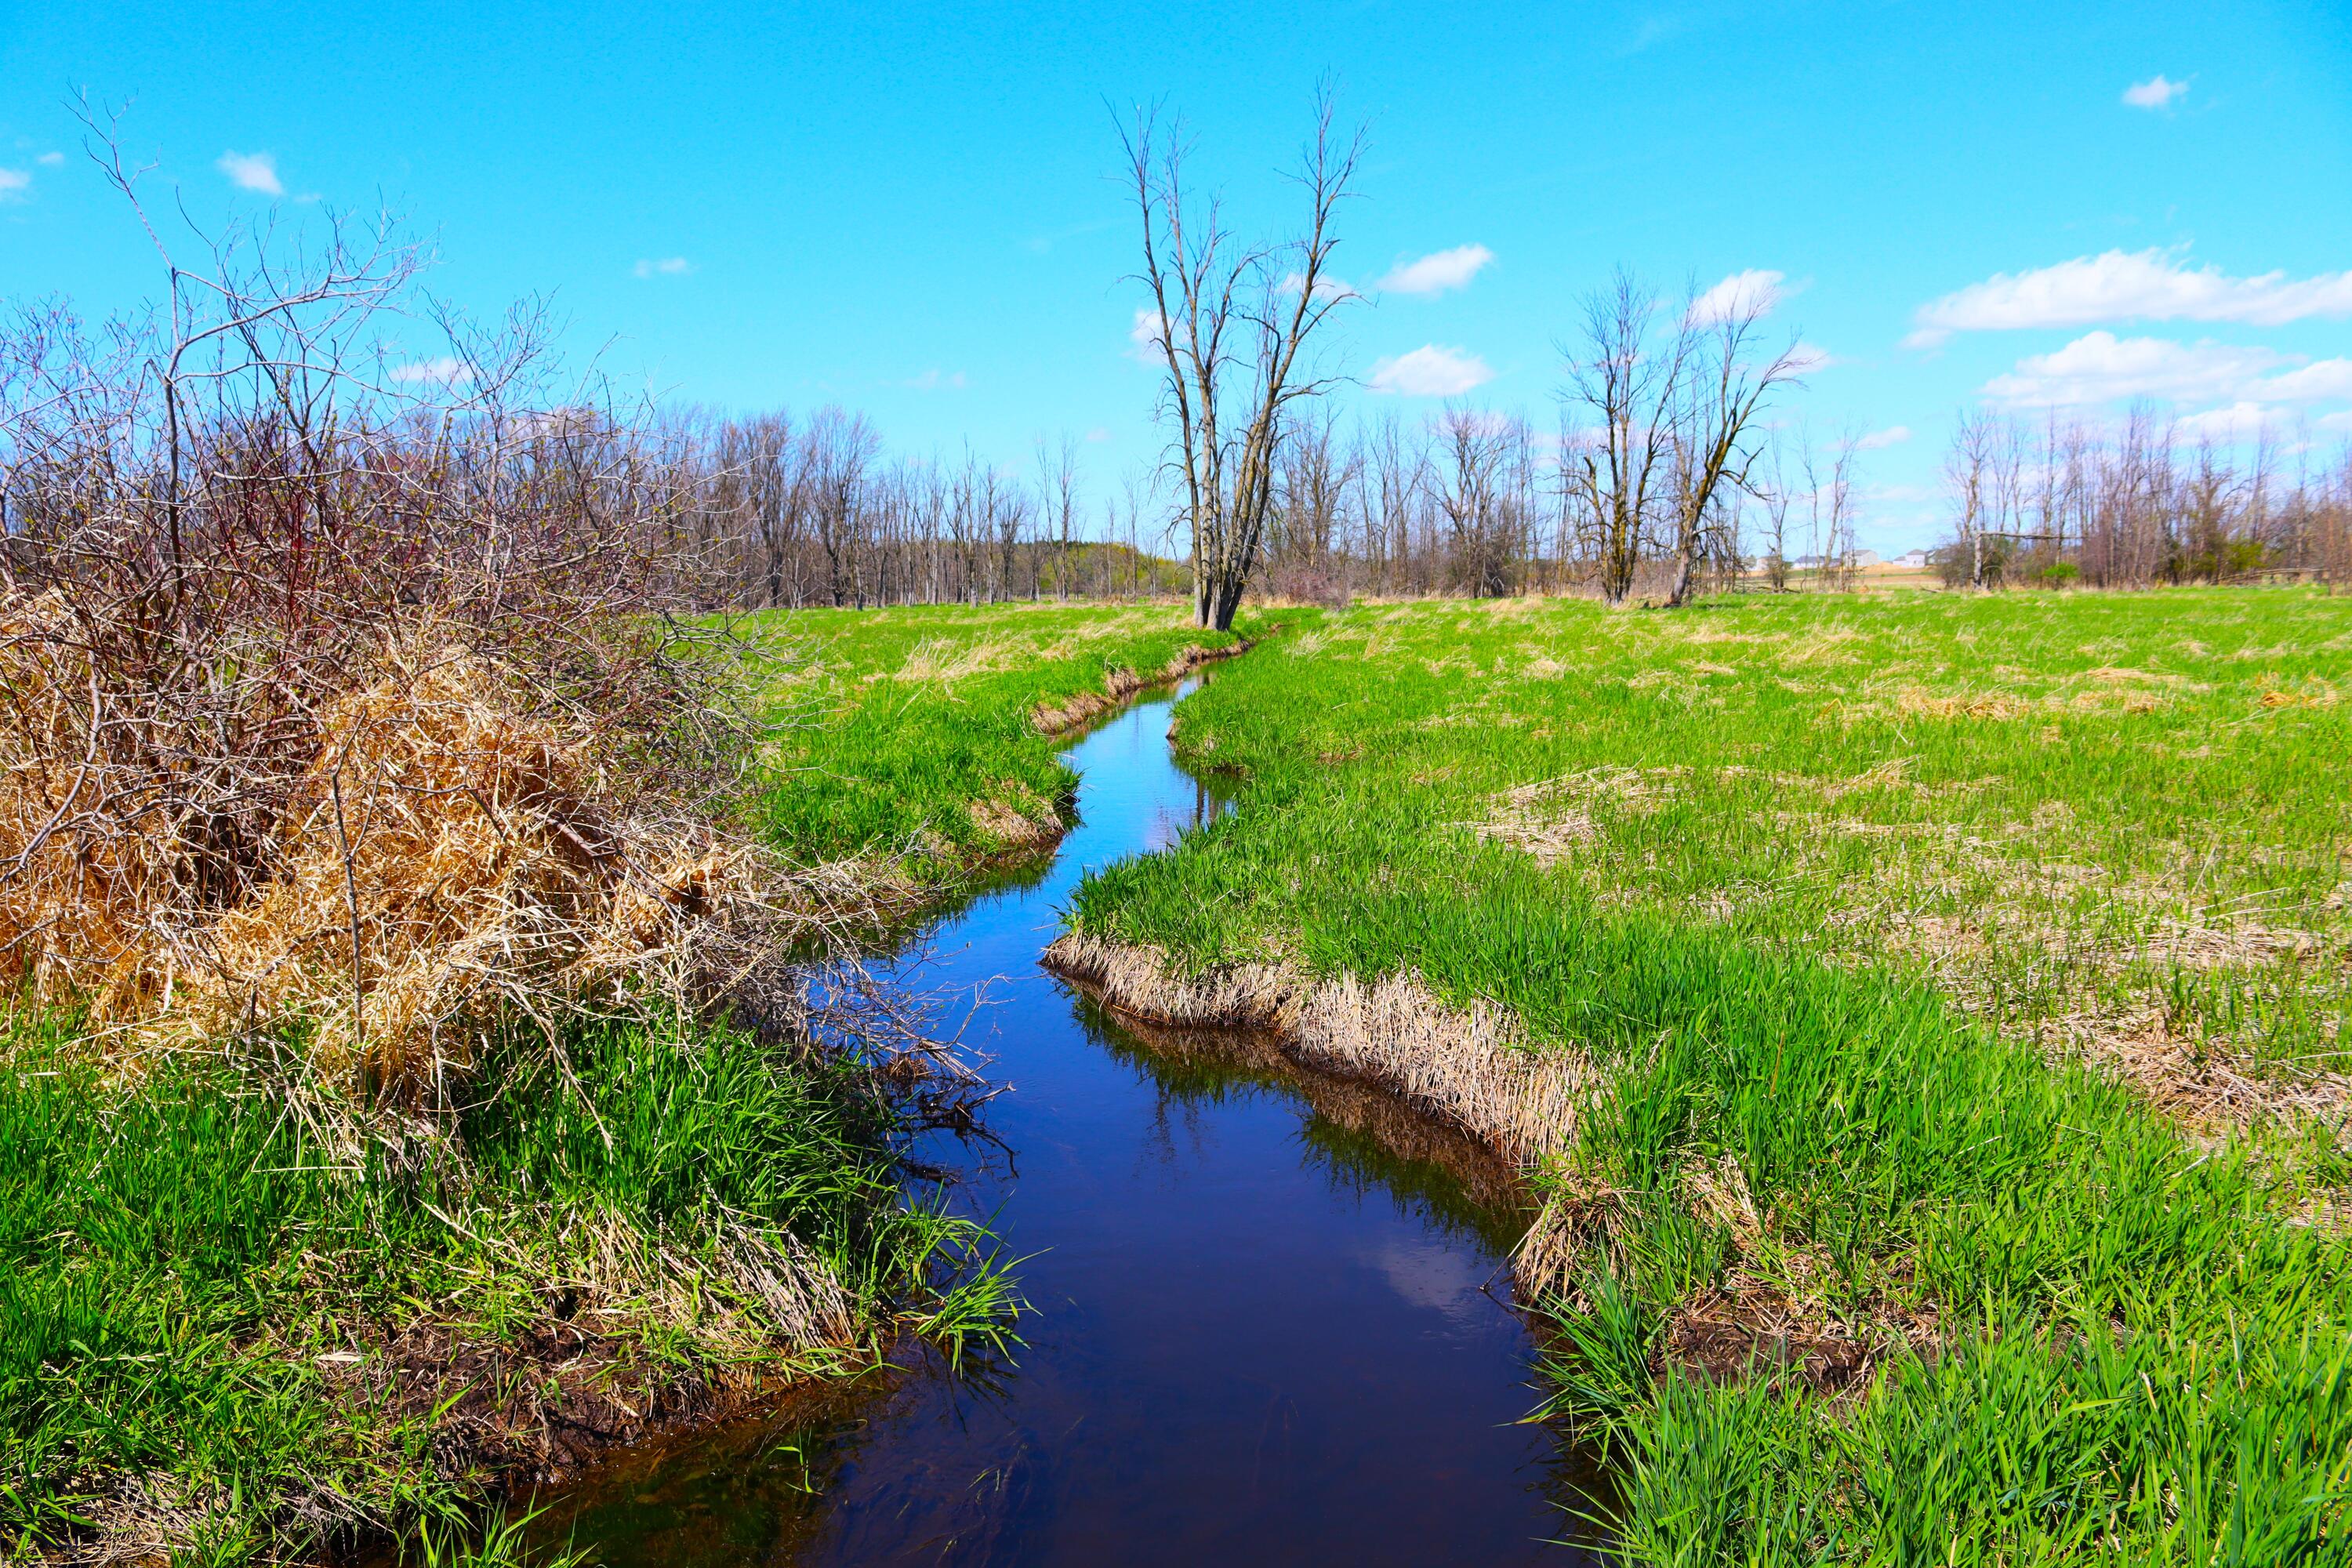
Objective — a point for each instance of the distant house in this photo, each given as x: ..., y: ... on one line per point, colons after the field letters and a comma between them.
x: 1866, y: 557
x: 1910, y: 558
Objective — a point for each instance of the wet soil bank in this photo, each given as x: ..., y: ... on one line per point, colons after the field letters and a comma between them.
x: 1273, y: 1320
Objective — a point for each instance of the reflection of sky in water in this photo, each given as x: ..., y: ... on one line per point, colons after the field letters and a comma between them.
x: 1173, y: 821
x: 1444, y: 1279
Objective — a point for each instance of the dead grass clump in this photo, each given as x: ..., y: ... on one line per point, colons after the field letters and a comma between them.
x: 945, y: 660
x: 1552, y: 817
x: 2312, y: 693
x: 1983, y: 705
x: 1118, y: 685
x: 1469, y: 1067
x: 1009, y: 827
x: 454, y: 846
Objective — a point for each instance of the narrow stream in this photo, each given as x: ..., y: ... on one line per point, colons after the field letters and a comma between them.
x: 1273, y: 1324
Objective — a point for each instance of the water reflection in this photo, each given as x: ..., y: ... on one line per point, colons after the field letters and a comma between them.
x: 1273, y: 1323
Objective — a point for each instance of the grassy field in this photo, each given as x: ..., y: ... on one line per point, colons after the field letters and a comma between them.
x: 922, y: 738
x: 230, y: 1328
x: 1960, y: 986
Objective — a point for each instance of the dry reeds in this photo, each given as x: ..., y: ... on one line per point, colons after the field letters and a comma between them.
x: 453, y: 845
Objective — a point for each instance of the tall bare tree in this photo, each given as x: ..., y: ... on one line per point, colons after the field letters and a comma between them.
x: 1231, y: 323
x: 1970, y: 470
x: 1476, y: 467
x: 1667, y: 418
x: 1713, y: 417
x: 1057, y: 495
x: 1621, y: 388
x: 1829, y: 492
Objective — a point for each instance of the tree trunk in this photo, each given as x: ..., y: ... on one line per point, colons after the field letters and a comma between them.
x: 1685, y: 570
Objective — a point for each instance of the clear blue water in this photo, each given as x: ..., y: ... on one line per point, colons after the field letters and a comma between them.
x: 1271, y: 1325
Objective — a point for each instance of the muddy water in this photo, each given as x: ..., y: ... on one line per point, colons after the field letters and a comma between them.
x: 1271, y: 1327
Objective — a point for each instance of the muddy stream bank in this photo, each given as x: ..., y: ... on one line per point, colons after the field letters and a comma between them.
x: 1273, y: 1321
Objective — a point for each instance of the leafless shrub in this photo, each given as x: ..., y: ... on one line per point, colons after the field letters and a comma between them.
x: 338, y: 687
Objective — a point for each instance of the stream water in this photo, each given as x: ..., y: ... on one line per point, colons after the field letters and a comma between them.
x: 1272, y: 1320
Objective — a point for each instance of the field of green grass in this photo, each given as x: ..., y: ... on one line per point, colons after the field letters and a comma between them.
x: 913, y: 736
x: 233, y: 1327
x: 1963, y: 982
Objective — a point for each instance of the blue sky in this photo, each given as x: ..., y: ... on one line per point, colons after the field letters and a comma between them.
x: 914, y: 211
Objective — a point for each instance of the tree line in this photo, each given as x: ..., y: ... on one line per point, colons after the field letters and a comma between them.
x: 775, y: 510
x: 2059, y: 500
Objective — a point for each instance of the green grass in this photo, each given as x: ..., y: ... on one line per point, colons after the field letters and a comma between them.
x: 180, y: 1253
x: 888, y: 727
x: 1931, y: 922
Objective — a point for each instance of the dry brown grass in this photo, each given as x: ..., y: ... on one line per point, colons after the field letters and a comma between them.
x: 457, y: 845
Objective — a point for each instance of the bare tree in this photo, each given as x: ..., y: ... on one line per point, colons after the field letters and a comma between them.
x: 1619, y: 390
x: 1057, y: 493
x: 1968, y: 470
x: 1666, y: 421
x: 1475, y: 490
x: 1398, y: 485
x: 1712, y: 417
x: 1776, y: 496
x: 837, y: 448
x: 1231, y: 323
x: 1829, y: 491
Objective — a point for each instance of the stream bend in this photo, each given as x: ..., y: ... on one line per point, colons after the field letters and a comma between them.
x: 1273, y: 1319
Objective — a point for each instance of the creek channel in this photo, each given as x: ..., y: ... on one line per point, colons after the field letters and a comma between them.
x: 1272, y: 1317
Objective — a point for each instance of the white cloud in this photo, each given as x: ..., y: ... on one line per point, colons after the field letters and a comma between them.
x: 1804, y: 359
x: 2342, y: 421
x: 2325, y: 382
x: 934, y: 379
x: 1436, y: 272
x: 1430, y: 371
x: 50, y: 160
x: 2149, y: 285
x: 1879, y: 440
x: 2234, y: 422
x: 14, y: 183
x: 1755, y: 290
x: 252, y: 172
x: 1143, y: 337
x: 1326, y: 287
x: 666, y: 267
x: 2100, y: 367
x: 443, y: 371
x: 2156, y: 92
